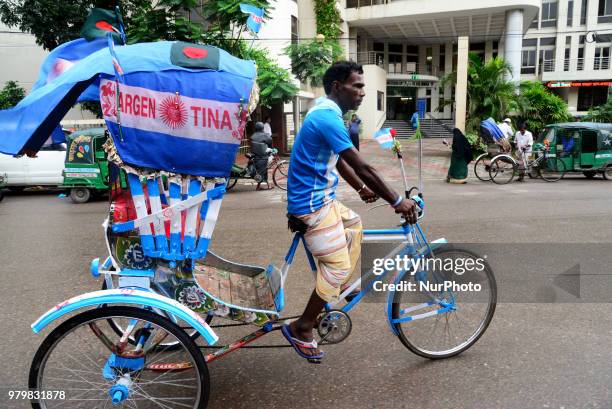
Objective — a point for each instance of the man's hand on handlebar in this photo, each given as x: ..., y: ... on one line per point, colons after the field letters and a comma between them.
x: 408, y: 208
x: 367, y: 195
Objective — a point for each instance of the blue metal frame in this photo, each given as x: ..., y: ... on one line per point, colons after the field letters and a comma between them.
x: 421, y: 241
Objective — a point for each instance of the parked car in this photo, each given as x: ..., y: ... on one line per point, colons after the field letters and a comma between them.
x: 43, y: 170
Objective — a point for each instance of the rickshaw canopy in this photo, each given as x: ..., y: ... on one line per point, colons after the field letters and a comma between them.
x: 173, y: 97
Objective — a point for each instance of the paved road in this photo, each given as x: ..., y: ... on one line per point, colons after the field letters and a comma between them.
x: 534, y: 355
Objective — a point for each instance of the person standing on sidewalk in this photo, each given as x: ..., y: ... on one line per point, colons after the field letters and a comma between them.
x: 460, y: 157
x: 353, y: 127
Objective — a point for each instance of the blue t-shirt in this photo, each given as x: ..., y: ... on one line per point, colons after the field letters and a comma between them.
x: 312, y: 177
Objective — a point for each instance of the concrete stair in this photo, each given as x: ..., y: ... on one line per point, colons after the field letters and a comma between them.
x: 431, y: 128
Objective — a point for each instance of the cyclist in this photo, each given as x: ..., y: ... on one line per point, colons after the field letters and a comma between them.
x: 333, y: 232
x: 260, y: 143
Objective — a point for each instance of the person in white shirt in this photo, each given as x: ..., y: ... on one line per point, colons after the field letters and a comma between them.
x: 524, y: 141
x: 506, y: 128
x: 267, y: 128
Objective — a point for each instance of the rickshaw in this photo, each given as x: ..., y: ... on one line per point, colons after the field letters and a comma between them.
x: 86, y: 168
x: 582, y: 147
x: 133, y: 343
x: 497, y: 144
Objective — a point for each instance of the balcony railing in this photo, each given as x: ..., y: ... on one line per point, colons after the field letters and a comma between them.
x: 547, y: 66
x: 363, y: 3
x: 378, y: 58
x: 599, y: 63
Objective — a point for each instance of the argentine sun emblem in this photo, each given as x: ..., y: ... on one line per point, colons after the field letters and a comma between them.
x: 173, y: 112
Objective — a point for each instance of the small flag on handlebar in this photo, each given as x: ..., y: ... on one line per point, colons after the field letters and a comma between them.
x: 384, y: 137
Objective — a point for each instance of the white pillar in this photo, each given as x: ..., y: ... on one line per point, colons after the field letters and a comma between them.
x: 448, y: 68
x: 461, y: 86
x: 514, y: 42
x: 488, y: 50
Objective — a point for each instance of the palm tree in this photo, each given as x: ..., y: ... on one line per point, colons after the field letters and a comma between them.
x: 489, y: 93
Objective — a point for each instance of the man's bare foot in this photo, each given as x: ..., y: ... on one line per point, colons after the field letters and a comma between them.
x: 303, y: 334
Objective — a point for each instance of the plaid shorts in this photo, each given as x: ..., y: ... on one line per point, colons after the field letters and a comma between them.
x: 334, y: 239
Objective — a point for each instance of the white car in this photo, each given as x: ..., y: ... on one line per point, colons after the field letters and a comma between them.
x: 43, y: 170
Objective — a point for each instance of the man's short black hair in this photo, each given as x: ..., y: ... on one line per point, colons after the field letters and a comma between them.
x: 339, y: 71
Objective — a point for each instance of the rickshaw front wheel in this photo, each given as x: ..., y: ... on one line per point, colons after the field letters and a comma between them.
x: 80, y: 195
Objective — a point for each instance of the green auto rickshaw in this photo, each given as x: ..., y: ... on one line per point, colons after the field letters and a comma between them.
x: 86, y: 168
x: 582, y: 147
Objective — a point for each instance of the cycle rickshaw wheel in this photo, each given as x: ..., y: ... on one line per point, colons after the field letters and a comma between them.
x: 552, y: 169
x: 502, y: 170
x: 481, y: 169
x: 443, y: 335
x: 280, y: 175
x: 76, y: 358
x: 168, y: 346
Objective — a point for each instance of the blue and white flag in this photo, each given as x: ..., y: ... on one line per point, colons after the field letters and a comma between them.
x: 256, y: 17
x: 384, y: 137
x: 63, y: 58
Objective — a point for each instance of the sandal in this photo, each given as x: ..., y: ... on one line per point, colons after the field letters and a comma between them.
x: 298, y: 343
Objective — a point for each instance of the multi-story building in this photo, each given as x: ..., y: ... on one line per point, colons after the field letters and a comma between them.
x: 568, y: 47
x: 407, y: 46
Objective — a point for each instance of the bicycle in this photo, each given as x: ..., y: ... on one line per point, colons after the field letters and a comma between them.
x: 504, y: 168
x: 278, y: 166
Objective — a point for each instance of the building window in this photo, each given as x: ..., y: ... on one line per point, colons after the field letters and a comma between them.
x: 549, y: 14
x: 570, y: 13
x: 395, y: 63
x: 528, y: 62
x: 294, y: 30
x: 605, y: 8
x: 602, y: 58
x: 580, y: 65
x: 566, y: 61
x: 583, y: 11
x: 380, y: 101
x: 547, y: 61
x: 589, y: 97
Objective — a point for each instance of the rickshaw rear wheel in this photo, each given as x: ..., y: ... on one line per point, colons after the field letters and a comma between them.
x: 75, y: 353
x: 607, y: 173
x: 80, y: 195
x: 481, y: 169
x: 165, y: 346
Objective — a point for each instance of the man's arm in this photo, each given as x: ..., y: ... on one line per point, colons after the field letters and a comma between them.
x: 366, y: 194
x: 371, y: 179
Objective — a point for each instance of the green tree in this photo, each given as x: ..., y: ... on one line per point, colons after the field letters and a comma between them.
x: 11, y: 94
x: 538, y: 107
x: 489, y: 93
x: 601, y: 113
x: 55, y: 22
x: 310, y: 60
